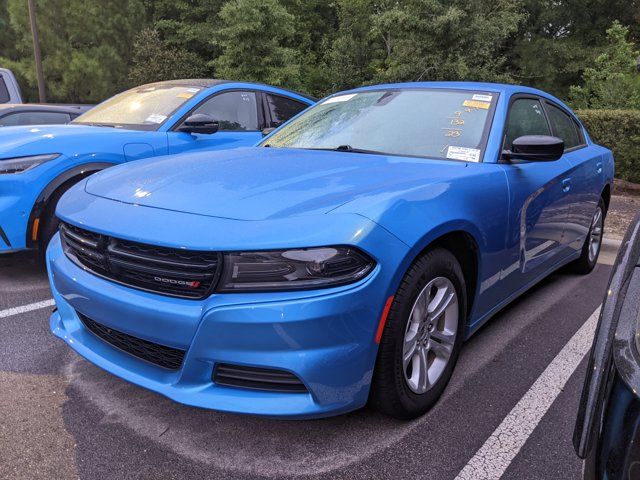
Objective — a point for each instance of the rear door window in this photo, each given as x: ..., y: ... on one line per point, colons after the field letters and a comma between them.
x: 282, y: 108
x: 564, y: 127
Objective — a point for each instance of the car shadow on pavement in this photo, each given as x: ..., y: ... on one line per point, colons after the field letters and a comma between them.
x: 243, y: 444
x: 22, y: 279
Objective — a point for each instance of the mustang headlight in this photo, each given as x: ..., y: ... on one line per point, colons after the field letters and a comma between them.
x: 294, y: 269
x: 22, y: 164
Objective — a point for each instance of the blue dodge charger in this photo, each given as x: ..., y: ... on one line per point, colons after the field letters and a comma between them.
x: 39, y: 163
x: 343, y: 260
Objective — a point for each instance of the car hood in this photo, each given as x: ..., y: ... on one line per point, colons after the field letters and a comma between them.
x: 65, y: 139
x: 263, y: 183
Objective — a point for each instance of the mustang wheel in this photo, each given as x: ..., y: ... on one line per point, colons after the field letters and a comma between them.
x: 422, y: 338
x: 50, y: 222
x: 593, y: 242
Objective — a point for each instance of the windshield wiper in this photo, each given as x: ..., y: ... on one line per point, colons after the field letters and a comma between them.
x: 91, y: 124
x: 339, y: 148
x: 349, y: 148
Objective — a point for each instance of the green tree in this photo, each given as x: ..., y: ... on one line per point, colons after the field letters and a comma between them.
x: 256, y: 40
x: 188, y: 26
x: 560, y: 37
x: 612, y: 81
x: 408, y: 40
x: 353, y: 49
x: 7, y: 35
x: 155, y: 59
x: 315, y: 27
x: 86, y: 46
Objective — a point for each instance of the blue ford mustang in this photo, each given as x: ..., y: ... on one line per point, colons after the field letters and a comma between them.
x: 38, y: 164
x: 343, y: 260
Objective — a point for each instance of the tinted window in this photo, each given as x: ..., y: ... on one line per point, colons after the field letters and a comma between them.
x: 34, y: 118
x: 526, y: 117
x: 4, y: 93
x: 445, y: 124
x: 563, y: 127
x: 282, y: 109
x: 234, y: 110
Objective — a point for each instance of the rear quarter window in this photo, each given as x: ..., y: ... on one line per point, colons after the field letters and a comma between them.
x: 4, y: 92
x: 564, y: 127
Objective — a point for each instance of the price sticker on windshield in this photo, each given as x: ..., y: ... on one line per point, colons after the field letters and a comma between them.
x: 476, y: 104
x: 156, y: 118
x: 481, y: 97
x: 463, y: 153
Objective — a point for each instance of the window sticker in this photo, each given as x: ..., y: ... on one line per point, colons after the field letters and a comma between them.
x: 476, y: 104
x: 339, y: 98
x: 156, y: 118
x: 463, y: 153
x: 185, y: 95
x: 193, y: 90
x: 482, y: 98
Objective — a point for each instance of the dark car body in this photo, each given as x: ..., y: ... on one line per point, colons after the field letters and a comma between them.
x: 39, y: 114
x: 607, y: 433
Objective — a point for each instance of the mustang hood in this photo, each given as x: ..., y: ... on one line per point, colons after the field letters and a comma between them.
x: 42, y: 139
x: 261, y: 183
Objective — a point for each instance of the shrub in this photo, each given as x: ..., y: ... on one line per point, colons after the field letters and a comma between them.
x: 618, y: 130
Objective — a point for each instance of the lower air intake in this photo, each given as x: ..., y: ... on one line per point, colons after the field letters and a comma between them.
x: 254, y: 378
x: 160, y: 355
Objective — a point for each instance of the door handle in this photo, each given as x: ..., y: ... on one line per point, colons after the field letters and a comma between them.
x: 566, y: 185
x: 599, y: 167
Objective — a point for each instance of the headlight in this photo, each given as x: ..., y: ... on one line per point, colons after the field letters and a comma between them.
x: 22, y: 164
x: 294, y: 269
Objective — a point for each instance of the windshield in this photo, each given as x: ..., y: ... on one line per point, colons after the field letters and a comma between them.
x: 447, y: 124
x: 142, y: 108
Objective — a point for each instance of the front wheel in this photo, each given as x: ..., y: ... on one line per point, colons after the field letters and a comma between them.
x: 422, y: 337
x: 49, y: 223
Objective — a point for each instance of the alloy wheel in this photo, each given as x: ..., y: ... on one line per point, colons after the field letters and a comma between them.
x: 430, y: 334
x: 595, y: 235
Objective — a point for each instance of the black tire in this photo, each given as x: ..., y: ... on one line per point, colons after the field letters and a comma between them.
x: 586, y: 263
x: 390, y: 391
x: 49, y: 223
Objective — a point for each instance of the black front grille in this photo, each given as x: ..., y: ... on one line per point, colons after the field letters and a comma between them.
x: 161, y: 355
x: 257, y: 378
x: 169, y: 271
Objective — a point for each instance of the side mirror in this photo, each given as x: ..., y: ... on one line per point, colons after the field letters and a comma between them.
x: 535, y: 148
x: 267, y: 131
x: 199, y: 123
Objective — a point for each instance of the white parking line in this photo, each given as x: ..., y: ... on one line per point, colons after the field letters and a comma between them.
x: 26, y: 308
x: 492, y: 459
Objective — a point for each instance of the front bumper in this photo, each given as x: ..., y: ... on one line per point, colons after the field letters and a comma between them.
x: 325, y: 337
x: 16, y: 203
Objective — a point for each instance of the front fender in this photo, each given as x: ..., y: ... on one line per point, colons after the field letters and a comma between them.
x: 77, y: 173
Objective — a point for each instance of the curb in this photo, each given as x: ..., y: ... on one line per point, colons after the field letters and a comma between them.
x: 611, y: 245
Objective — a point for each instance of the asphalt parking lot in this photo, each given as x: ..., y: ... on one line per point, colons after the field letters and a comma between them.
x: 509, y: 409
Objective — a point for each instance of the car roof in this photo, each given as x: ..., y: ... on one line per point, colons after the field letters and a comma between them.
x: 508, y: 89
x: 213, y: 82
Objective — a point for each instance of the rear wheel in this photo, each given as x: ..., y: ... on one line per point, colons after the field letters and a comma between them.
x: 593, y: 242
x: 422, y: 337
